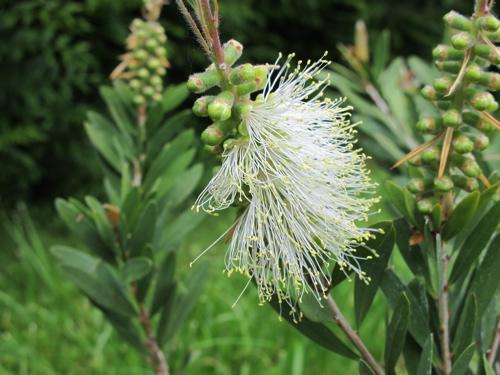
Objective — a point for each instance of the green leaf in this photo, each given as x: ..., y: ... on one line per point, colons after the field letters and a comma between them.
x: 393, y: 287
x: 179, y: 228
x: 461, y: 215
x: 183, y: 303
x: 135, y: 269
x: 461, y: 365
x: 118, y: 110
x: 364, y: 369
x: 413, y: 255
x: 128, y: 328
x: 486, y: 281
x: 464, y: 334
x: 312, y: 309
x: 424, y: 72
x: 475, y: 243
x: 165, y: 283
x: 145, y: 229
x: 184, y: 186
x: 101, y: 222
x: 174, y: 96
x: 425, y: 362
x: 396, y: 196
x: 374, y: 268
x: 95, y: 279
x: 166, y: 131
x: 487, y: 367
x: 102, y: 137
x: 396, y: 333
x: 170, y: 153
x: 317, y: 332
x: 381, y: 52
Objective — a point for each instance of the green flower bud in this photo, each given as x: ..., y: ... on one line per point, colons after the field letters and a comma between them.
x: 449, y: 66
x: 157, y: 97
x: 232, y: 52
x: 246, y: 88
x: 468, y: 184
x: 430, y: 93
x: 452, y: 118
x: 201, y: 82
x: 153, y: 63
x: 212, y: 135
x: 443, y: 184
x: 161, y: 52
x: 229, y: 143
x: 213, y: 150
x: 151, y: 44
x: 462, y: 40
x: 241, y: 110
x: 200, y: 106
x: 494, y: 36
x: 161, y: 71
x: 143, y: 73
x: 156, y: 81
x: 242, y: 74
x: 481, y: 142
x: 473, y: 72
x: 487, y: 52
x: 488, y: 23
x: 443, y: 52
x: 242, y: 129
x: 484, y: 101
x: 442, y: 84
x: 137, y: 23
x: 457, y: 21
x: 430, y: 155
x: 135, y: 84
x: 424, y: 206
x: 139, y: 100
x: 220, y: 108
x: 463, y: 144
x: 493, y: 81
x: 471, y: 168
x: 419, y: 185
x: 429, y: 125
x: 261, y: 72
x: 140, y: 55
x: 148, y: 91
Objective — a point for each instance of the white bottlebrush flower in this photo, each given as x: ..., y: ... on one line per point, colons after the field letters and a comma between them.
x: 303, y: 184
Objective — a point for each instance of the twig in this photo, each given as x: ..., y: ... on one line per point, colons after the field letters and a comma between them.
x: 353, y: 336
x: 417, y: 151
x: 495, y: 345
x: 156, y: 356
x: 444, y: 312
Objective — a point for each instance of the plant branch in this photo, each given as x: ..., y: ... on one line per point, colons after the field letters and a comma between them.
x: 213, y: 25
x: 444, y: 312
x: 353, y: 336
x: 495, y: 345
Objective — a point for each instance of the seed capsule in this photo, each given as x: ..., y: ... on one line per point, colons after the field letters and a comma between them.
x: 488, y: 23
x: 429, y: 125
x: 481, y: 142
x: 468, y: 184
x: 242, y: 74
x: 484, y: 101
x: 449, y: 66
x: 443, y: 52
x: 430, y: 155
x: 442, y: 84
x: 430, y: 93
x: 212, y: 135
x: 200, y: 106
x: 487, y: 52
x: 232, y: 52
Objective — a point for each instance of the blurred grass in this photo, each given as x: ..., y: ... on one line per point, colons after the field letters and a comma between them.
x: 47, y: 327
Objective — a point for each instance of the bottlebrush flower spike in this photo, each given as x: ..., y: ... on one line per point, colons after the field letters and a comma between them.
x: 302, y: 182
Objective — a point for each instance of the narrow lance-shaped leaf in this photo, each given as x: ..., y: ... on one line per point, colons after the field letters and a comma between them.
x: 461, y: 365
x: 396, y: 333
x: 425, y: 363
x: 460, y: 215
x: 374, y: 268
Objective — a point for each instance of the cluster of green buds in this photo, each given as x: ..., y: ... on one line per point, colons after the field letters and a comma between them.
x: 463, y: 96
x: 144, y: 65
x: 232, y: 87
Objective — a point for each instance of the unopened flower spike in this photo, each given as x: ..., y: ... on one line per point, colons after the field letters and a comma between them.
x: 301, y: 185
